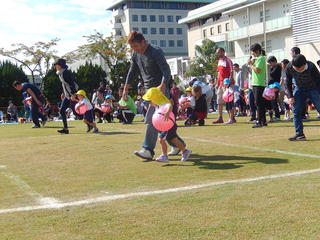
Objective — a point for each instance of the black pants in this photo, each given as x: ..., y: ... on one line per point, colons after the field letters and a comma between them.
x: 36, y: 114
x: 275, y: 105
x: 66, y: 103
x: 125, y: 115
x: 260, y: 103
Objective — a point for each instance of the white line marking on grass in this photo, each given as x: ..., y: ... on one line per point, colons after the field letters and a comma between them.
x: 254, y: 148
x: 139, y: 194
x: 3, y: 166
x: 28, y: 190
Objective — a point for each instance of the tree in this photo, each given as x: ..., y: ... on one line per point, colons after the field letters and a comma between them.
x: 52, y: 87
x: 9, y: 73
x: 113, y: 52
x: 205, y: 63
x: 89, y: 76
x: 37, y: 58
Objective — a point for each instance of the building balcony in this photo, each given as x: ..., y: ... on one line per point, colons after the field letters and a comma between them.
x: 273, y: 25
x: 219, y: 38
x: 117, y: 25
x: 117, y: 13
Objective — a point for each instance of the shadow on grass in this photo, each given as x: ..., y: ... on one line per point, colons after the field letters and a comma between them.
x: 114, y: 133
x: 207, y: 162
x: 56, y: 127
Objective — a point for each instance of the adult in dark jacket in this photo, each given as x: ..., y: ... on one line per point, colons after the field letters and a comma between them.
x: 302, y: 82
x: 69, y: 90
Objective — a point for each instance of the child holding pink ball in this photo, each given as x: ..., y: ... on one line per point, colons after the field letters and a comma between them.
x: 159, y: 100
x: 228, y: 97
x: 88, y: 115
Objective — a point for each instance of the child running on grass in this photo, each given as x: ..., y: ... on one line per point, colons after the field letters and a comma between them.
x: 88, y: 116
x: 158, y: 99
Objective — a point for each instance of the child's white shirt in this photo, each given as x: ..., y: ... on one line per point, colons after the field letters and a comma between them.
x: 87, y: 103
x: 192, y: 101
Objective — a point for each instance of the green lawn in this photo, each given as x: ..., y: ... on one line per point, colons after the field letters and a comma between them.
x: 41, y: 163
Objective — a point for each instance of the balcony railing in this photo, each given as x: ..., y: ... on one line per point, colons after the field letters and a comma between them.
x: 238, y: 33
x: 278, y: 23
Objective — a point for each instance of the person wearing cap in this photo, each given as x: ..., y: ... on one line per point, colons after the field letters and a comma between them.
x: 307, y: 84
x: 149, y: 62
x: 69, y: 87
x: 88, y: 116
x: 38, y: 101
x: 275, y: 77
x: 258, y: 65
x: 159, y: 100
x: 98, y: 101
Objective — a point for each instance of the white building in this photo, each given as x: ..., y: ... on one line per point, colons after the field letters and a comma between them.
x: 157, y: 20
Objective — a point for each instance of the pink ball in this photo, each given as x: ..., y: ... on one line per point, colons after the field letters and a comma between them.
x: 269, y: 94
x: 182, y: 100
x: 82, y: 109
x: 105, y: 108
x: 160, y: 123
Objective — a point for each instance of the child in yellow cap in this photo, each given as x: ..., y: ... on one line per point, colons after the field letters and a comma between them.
x: 157, y: 99
x: 88, y: 116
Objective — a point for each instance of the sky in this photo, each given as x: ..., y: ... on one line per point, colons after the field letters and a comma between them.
x: 30, y: 21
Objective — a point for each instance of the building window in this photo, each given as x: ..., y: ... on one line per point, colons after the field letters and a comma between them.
x: 154, y: 42
x: 227, y: 27
x: 171, y: 43
x: 211, y: 31
x: 162, y: 31
x: 153, y: 31
x: 180, y: 43
x: 179, y: 31
x: 118, y: 32
x: 204, y: 33
x: 170, y: 18
x: 178, y: 18
x: 267, y: 12
x: 163, y: 43
x: 170, y: 31
x: 143, y: 18
x: 219, y: 29
x: 135, y: 18
x: 135, y: 29
x: 152, y: 18
x: 161, y: 18
x: 144, y: 30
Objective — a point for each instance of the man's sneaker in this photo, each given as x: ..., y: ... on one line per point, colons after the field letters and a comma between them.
x: 220, y: 120
x: 257, y: 125
x: 144, y: 154
x: 63, y: 131
x: 174, y: 151
x: 252, y: 120
x: 185, y: 155
x: 89, y: 128
x: 298, y: 138
x: 35, y: 126
x: 201, y: 122
x: 162, y: 158
x: 96, y: 130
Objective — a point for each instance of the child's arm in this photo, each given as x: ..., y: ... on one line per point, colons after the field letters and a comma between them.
x: 166, y: 115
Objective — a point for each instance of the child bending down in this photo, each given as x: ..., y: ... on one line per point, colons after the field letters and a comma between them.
x: 88, y: 116
x: 200, y: 110
x: 159, y: 100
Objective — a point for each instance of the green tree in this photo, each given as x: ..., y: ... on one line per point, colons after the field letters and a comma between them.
x: 113, y: 52
x: 89, y: 76
x: 9, y: 73
x: 37, y: 58
x: 52, y: 87
x: 205, y: 63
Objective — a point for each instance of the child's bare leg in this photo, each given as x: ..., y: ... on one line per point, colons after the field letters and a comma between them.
x: 178, y: 144
x: 93, y: 124
x: 164, y: 147
x: 86, y: 121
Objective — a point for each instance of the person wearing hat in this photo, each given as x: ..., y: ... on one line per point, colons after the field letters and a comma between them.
x: 88, y: 116
x: 38, y: 100
x: 149, y: 62
x: 307, y: 83
x: 69, y: 87
x: 159, y: 100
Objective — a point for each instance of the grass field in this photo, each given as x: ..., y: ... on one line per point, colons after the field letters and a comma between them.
x: 60, y: 187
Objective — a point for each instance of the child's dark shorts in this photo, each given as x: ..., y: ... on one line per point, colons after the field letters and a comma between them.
x: 89, y: 116
x: 229, y: 105
x: 169, y: 135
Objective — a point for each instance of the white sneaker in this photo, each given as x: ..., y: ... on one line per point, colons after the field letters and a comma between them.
x: 162, y: 158
x: 144, y: 154
x: 174, y: 151
x: 185, y: 155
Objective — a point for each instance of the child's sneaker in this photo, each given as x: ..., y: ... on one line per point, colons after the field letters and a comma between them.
x: 162, y: 158
x: 201, y: 122
x: 185, y: 155
x: 219, y: 120
x: 229, y: 122
x: 96, y: 130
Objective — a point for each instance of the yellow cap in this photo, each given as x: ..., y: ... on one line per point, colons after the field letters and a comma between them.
x: 189, y: 89
x: 156, y: 96
x: 82, y: 93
